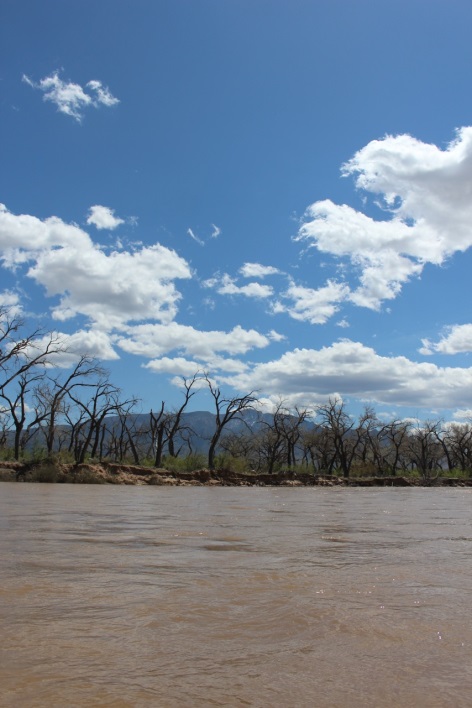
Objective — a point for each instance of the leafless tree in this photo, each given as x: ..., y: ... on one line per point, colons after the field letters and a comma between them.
x: 50, y: 396
x: 104, y: 401
x: 424, y: 450
x: 458, y: 440
x: 226, y: 410
x: 174, y: 419
x: 22, y: 351
x: 17, y: 405
x: 340, y: 427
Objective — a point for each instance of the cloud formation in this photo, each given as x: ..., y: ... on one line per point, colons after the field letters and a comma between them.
x: 348, y: 368
x: 157, y: 340
x: 226, y: 285
x: 425, y: 195
x: 456, y: 339
x: 316, y: 306
x: 256, y: 270
x: 109, y: 289
x: 103, y: 217
x: 194, y: 237
x: 70, y: 98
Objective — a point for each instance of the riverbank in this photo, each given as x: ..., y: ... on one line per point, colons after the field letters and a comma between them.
x: 114, y: 473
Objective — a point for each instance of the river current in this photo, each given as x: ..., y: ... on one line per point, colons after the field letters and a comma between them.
x: 197, y: 596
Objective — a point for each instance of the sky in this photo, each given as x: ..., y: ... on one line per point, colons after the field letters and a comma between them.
x: 276, y: 193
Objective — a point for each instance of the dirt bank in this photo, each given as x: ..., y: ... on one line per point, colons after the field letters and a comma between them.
x: 114, y: 473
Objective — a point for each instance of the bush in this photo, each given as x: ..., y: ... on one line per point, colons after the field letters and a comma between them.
x: 185, y: 464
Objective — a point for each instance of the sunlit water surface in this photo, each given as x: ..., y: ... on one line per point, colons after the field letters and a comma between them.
x: 152, y: 596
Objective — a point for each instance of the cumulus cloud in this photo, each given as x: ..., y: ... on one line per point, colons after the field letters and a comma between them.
x: 110, y: 289
x: 456, y: 339
x: 157, y: 340
x: 225, y: 285
x: 256, y: 270
x: 103, y: 217
x: 348, y: 368
x: 10, y: 301
x: 463, y: 414
x: 179, y: 366
x: 310, y: 305
x: 70, y: 98
x: 93, y: 343
x: 425, y: 194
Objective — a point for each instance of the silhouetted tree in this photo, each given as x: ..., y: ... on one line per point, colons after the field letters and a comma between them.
x: 226, y: 410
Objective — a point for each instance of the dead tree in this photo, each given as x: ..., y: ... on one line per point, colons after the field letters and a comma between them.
x: 226, y: 410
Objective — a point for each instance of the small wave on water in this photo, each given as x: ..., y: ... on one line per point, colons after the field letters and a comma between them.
x: 130, y: 597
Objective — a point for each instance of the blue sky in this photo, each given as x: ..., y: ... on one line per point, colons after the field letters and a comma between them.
x: 277, y: 193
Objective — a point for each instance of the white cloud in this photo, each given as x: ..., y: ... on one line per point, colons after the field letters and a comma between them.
x: 195, y: 237
x: 71, y: 99
x: 180, y: 366
x: 425, y: 192
x: 349, y: 369
x: 157, y: 340
x: 177, y: 366
x: 225, y: 285
x: 314, y: 306
x: 110, y: 289
x: 276, y: 336
x: 93, y: 343
x: 463, y: 414
x: 11, y: 302
x: 256, y: 270
x: 216, y: 231
x: 102, y: 94
x: 457, y: 339
x: 103, y: 217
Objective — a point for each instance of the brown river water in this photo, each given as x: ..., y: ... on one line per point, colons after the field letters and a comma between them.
x: 165, y: 596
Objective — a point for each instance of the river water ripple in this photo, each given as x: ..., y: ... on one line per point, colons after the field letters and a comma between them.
x: 165, y: 596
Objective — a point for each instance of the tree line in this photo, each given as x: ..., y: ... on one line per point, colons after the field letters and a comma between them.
x: 83, y: 414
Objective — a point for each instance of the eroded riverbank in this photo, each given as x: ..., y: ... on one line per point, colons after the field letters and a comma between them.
x: 115, y: 473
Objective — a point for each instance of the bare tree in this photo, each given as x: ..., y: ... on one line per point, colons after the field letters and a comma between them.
x: 21, y: 351
x: 104, y: 401
x: 458, y: 441
x: 17, y: 406
x: 174, y: 420
x: 424, y: 449
x: 51, y: 395
x: 339, y: 425
x: 319, y: 447
x: 226, y: 410
x: 166, y: 426
x: 280, y: 439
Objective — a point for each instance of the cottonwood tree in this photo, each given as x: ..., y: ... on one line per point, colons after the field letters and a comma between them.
x: 165, y: 426
x: 424, y: 450
x: 338, y: 425
x: 279, y: 438
x: 104, y: 401
x: 23, y: 358
x: 174, y: 419
x: 125, y: 434
x: 50, y: 396
x: 226, y: 410
x: 458, y: 441
x: 16, y: 404
x: 20, y: 351
x: 393, y: 437
x: 319, y: 447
